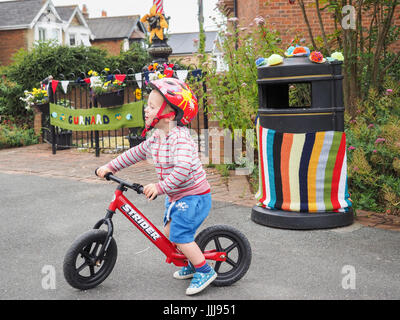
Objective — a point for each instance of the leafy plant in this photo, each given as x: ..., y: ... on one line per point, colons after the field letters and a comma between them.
x: 30, y: 67
x: 14, y: 136
x: 11, y: 106
x: 103, y: 84
x: 366, y: 45
x: 374, y: 150
x: 233, y: 97
x: 36, y: 96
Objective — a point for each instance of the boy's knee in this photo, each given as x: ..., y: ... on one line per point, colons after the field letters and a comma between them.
x: 166, y: 229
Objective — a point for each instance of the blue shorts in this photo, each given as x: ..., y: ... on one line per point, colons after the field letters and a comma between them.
x: 186, y: 216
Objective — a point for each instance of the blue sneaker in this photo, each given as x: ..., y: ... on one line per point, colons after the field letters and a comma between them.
x: 184, y: 273
x: 200, y: 281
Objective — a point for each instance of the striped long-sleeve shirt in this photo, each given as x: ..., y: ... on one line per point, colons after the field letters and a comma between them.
x: 176, y: 160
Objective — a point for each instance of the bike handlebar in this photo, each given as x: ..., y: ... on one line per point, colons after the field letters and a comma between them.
x: 134, y: 186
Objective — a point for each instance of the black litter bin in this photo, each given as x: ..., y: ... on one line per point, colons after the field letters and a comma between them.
x: 302, y: 146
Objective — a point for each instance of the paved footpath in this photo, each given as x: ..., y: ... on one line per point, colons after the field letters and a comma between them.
x: 80, y: 165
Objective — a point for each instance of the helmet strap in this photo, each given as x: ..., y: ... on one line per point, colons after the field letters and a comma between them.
x: 158, y: 117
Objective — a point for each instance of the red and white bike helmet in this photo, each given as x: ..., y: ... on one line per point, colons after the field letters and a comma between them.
x: 179, y: 96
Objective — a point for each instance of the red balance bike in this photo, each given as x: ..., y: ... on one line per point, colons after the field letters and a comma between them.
x: 92, y: 256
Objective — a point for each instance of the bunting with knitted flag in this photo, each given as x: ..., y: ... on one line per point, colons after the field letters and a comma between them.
x: 120, y: 77
x: 54, y: 84
x: 302, y: 172
x: 64, y: 85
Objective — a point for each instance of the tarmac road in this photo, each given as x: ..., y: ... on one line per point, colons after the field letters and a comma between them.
x: 41, y: 216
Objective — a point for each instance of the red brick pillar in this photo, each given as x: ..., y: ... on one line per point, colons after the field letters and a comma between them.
x: 37, y: 124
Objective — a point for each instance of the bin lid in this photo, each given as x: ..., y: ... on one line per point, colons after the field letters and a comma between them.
x: 299, y: 67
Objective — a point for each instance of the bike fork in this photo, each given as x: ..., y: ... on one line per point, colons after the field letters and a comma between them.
x: 110, y: 230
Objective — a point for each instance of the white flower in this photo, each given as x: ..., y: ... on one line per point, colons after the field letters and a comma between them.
x: 153, y: 76
x: 95, y: 82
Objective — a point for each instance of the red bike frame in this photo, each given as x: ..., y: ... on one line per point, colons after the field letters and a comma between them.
x: 138, y: 219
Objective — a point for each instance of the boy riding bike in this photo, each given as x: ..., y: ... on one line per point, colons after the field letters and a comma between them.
x: 171, y: 105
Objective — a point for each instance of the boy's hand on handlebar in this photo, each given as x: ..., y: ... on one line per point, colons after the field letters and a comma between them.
x: 102, y: 171
x: 150, y: 191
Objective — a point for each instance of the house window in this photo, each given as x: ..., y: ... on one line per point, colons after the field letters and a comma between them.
x: 85, y: 40
x: 42, y: 34
x: 72, y: 40
x: 125, y: 45
x: 54, y: 34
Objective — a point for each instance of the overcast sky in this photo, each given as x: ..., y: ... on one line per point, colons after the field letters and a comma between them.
x: 183, y: 13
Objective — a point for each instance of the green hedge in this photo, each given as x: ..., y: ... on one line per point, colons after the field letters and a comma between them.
x: 47, y: 58
x: 10, y: 104
x: 14, y: 136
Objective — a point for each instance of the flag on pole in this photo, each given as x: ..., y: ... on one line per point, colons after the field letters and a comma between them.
x: 159, y: 6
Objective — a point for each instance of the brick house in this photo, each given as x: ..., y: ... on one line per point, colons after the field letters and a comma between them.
x: 22, y: 23
x: 117, y: 33
x: 286, y: 17
x: 76, y: 30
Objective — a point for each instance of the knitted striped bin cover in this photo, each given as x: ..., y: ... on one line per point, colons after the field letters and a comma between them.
x: 302, y: 172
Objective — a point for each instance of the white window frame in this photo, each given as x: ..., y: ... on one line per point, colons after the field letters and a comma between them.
x: 49, y: 30
x: 42, y: 34
x: 75, y: 38
x: 125, y: 45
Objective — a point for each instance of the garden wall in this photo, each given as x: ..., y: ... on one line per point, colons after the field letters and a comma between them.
x: 288, y: 18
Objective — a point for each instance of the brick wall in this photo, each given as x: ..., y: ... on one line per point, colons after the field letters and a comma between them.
x: 288, y: 18
x: 10, y: 42
x: 112, y: 46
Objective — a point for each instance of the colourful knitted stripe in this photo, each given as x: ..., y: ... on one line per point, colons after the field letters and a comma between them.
x: 303, y: 172
x: 287, y: 142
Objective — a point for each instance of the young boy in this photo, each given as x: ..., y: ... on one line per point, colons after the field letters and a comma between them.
x: 181, y: 175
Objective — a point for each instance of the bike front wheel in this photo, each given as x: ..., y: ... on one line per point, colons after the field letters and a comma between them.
x: 82, y: 268
x: 227, y: 239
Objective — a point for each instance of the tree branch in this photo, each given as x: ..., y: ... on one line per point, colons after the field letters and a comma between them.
x: 301, y: 3
x: 391, y: 63
x: 322, y: 27
x: 380, y: 43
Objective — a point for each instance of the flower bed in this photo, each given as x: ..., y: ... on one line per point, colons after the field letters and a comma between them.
x: 373, y: 149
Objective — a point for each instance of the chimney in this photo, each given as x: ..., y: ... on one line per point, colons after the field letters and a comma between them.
x: 85, y: 11
x: 103, y: 13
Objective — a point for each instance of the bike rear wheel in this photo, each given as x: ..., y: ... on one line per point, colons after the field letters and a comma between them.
x: 82, y: 268
x: 237, y: 247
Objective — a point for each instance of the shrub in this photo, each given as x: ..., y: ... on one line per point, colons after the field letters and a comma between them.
x: 46, y: 58
x: 10, y: 104
x: 374, y: 151
x: 234, y: 93
x: 14, y: 136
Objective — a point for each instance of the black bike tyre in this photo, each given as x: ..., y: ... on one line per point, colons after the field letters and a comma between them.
x: 69, y: 267
x: 207, y: 235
